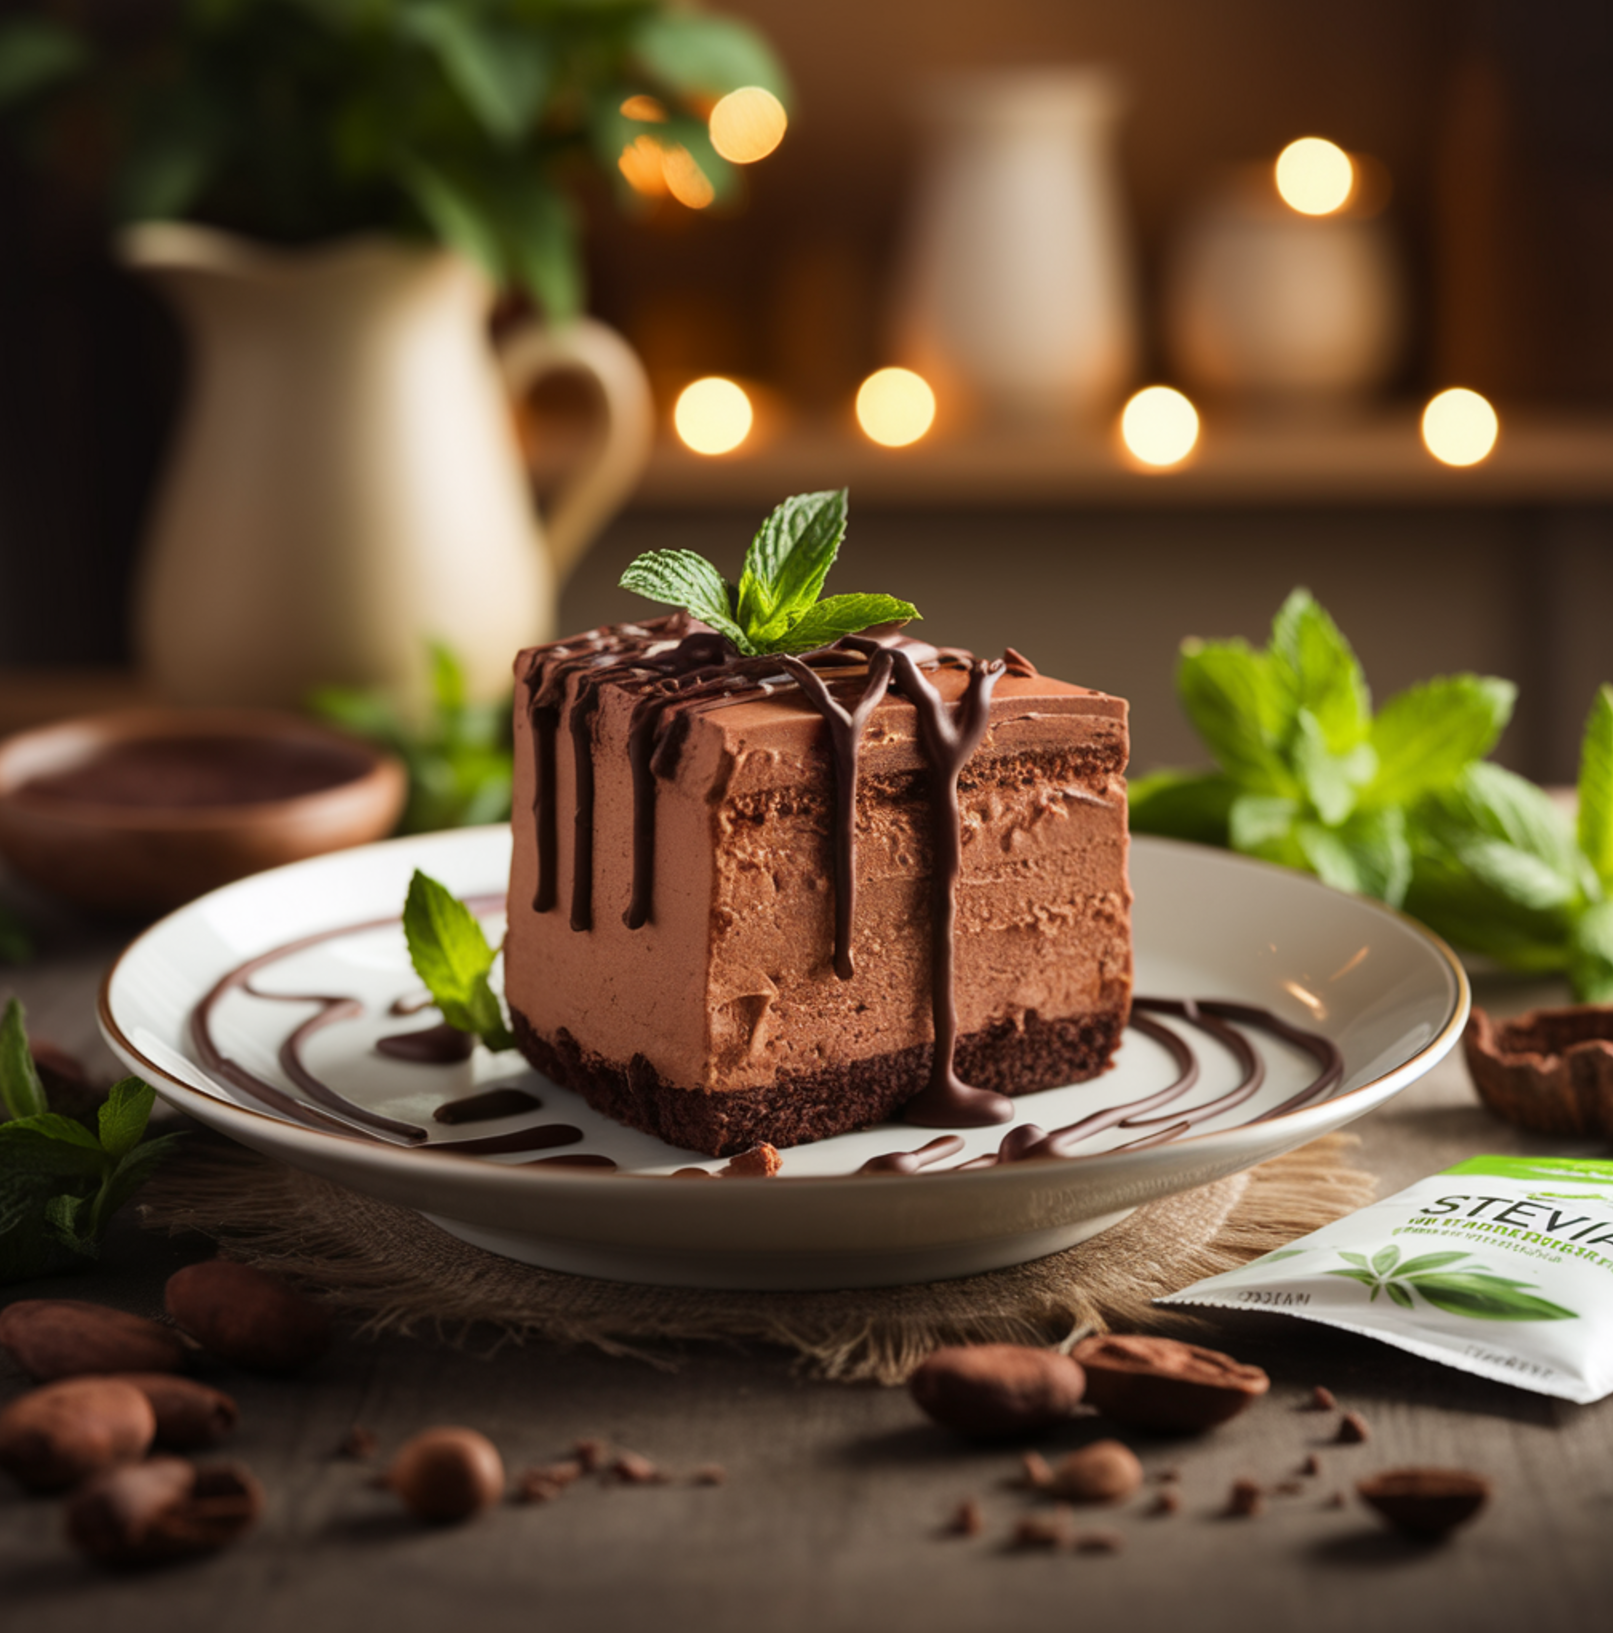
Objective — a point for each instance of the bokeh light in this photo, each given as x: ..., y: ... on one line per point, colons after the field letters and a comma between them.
x: 746, y: 125
x: 713, y: 415
x: 1315, y: 176
x: 895, y: 407
x: 1159, y: 426
x: 642, y: 165
x: 1460, y: 427
x: 645, y: 109
x: 685, y: 180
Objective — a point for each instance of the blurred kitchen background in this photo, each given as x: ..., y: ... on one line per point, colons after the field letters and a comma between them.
x: 1473, y: 249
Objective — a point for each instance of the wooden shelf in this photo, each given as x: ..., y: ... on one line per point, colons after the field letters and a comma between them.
x: 1539, y: 460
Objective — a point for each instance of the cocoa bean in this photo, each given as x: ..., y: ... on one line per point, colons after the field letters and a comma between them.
x: 993, y: 1391
x: 1425, y: 1502
x: 1164, y: 1385
x: 1104, y: 1472
x: 447, y: 1474
x: 190, y: 1415
x: 247, y: 1317
x: 54, y: 1436
x: 53, y: 1338
x: 163, y: 1510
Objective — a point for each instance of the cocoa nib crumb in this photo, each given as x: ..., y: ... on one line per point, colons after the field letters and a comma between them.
x: 1167, y: 1502
x: 1311, y: 1465
x: 1099, y: 1542
x: 545, y: 1482
x: 966, y: 1520
x: 1288, y: 1488
x: 1322, y: 1400
x: 358, y: 1445
x: 1168, y: 1476
x: 1353, y: 1430
x: 760, y: 1162
x: 633, y: 1470
x: 1246, y: 1500
x: 1337, y: 1500
x: 1035, y: 1473
x: 592, y: 1454
x: 1047, y: 1530
x: 709, y: 1474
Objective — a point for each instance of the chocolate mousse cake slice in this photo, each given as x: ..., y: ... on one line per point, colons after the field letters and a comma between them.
x: 778, y: 898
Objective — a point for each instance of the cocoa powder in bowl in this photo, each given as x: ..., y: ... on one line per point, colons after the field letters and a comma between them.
x: 993, y: 1391
x: 1165, y: 1385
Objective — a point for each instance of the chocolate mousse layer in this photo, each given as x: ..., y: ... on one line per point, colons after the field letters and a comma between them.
x: 672, y: 944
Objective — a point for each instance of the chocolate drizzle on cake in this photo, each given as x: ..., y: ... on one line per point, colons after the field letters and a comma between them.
x: 679, y: 669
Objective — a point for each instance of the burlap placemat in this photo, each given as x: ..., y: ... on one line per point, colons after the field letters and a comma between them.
x: 397, y: 1272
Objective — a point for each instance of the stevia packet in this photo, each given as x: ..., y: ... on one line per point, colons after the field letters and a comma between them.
x: 1502, y: 1266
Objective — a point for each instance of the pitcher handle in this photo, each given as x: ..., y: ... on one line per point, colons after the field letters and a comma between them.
x: 598, y: 489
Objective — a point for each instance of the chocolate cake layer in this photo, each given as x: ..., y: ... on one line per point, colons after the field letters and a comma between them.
x: 673, y: 917
x: 799, y: 1107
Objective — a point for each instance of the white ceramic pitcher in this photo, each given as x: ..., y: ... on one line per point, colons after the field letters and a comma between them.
x: 347, y: 483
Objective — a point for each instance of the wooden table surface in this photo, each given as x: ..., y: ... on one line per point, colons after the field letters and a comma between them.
x: 831, y: 1513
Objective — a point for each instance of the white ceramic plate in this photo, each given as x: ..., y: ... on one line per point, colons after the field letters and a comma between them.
x: 1207, y: 925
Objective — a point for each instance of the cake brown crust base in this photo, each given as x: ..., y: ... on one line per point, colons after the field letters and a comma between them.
x: 804, y: 1106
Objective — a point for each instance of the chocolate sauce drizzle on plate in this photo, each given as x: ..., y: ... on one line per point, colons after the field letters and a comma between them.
x: 1156, y: 1117
x: 676, y: 669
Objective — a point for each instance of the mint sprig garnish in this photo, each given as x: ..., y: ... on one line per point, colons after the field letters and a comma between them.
x: 1402, y: 804
x: 1477, y: 1294
x: 452, y: 956
x: 776, y: 605
x: 60, y: 1181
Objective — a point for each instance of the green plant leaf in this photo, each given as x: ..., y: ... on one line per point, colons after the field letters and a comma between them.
x: 1324, y: 675
x: 1428, y: 1261
x: 124, y: 1114
x: 1385, y: 1259
x: 838, y: 615
x: 21, y: 1091
x: 1193, y: 805
x: 1359, y: 1259
x: 1590, y: 965
x: 455, y: 214
x: 68, y: 1217
x: 36, y: 55
x: 503, y: 74
x: 681, y: 578
x: 1399, y: 1295
x: 452, y: 956
x: 1484, y: 1297
x: 133, y: 1170
x: 1330, y: 779
x: 1241, y: 708
x: 1368, y: 855
x: 1365, y: 1277
x: 544, y: 253
x: 16, y: 943
x: 700, y: 55
x: 1265, y: 825
x: 790, y: 557
x: 1489, y: 801
x: 1428, y: 734
x: 1596, y: 787
x: 51, y: 1144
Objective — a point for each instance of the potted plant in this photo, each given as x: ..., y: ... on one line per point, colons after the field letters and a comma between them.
x: 331, y: 191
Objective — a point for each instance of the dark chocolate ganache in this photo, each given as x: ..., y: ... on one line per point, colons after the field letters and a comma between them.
x: 189, y: 773
x: 677, y: 669
x: 1154, y: 1118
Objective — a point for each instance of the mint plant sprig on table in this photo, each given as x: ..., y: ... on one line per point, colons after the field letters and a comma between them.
x: 453, y: 957
x: 1401, y: 805
x: 1307, y: 775
x: 61, y: 1181
x: 775, y: 608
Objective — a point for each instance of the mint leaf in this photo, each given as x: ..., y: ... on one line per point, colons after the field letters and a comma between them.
x: 827, y: 621
x: 133, y: 1169
x: 1399, y: 1295
x: 1428, y: 734
x: 1486, y: 1298
x: 51, y: 1144
x: 20, y: 1089
x: 1596, y: 788
x: 1241, y: 707
x: 681, y: 578
x: 1385, y: 1259
x: 1190, y: 805
x: 68, y: 1216
x: 452, y: 956
x: 789, y: 559
x: 124, y: 1114
x: 1330, y: 779
x: 1590, y: 964
x: 1264, y: 825
x: 1428, y: 1261
x: 1322, y: 671
x: 36, y: 54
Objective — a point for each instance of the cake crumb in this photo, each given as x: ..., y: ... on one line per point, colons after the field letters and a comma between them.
x: 1311, y: 1465
x: 1288, y: 1488
x: 1169, y: 1476
x: 1353, y: 1430
x: 966, y: 1520
x: 1246, y: 1500
x: 632, y: 1469
x: 1035, y: 1472
x: 1167, y: 1502
x: 709, y: 1474
x: 1047, y: 1530
x: 1322, y: 1400
x: 762, y: 1161
x: 1099, y: 1542
x: 545, y: 1482
x: 591, y: 1454
x: 358, y: 1445
x: 1337, y: 1500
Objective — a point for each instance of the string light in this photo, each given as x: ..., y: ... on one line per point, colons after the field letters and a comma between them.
x: 746, y: 125
x: 1460, y: 427
x: 1315, y: 176
x: 713, y: 415
x: 1159, y: 426
x: 895, y: 407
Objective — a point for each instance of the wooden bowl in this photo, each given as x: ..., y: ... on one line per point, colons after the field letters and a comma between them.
x: 140, y: 810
